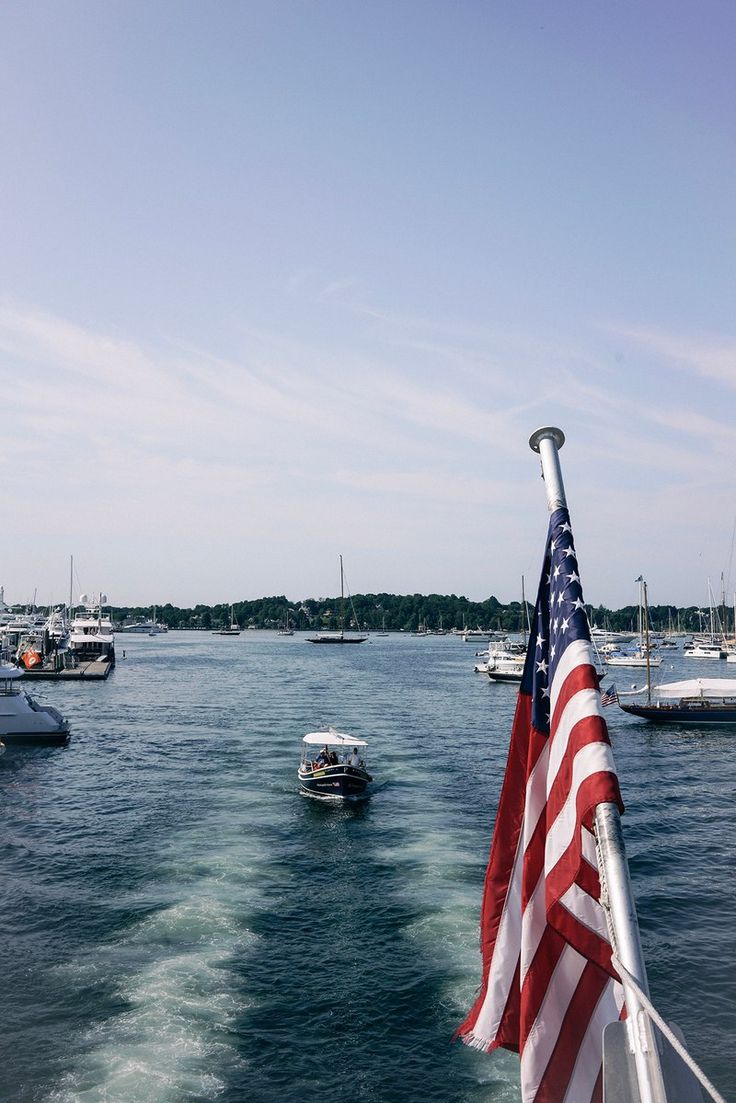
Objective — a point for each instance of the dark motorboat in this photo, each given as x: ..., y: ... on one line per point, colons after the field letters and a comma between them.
x: 700, y: 702
x: 333, y: 766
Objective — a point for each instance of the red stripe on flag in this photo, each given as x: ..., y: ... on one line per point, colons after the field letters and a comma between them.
x: 509, y: 819
x: 509, y: 1030
x: 536, y: 981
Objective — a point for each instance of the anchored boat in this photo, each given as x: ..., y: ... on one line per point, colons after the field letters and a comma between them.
x: 697, y: 701
x: 339, y: 637
x: 333, y: 766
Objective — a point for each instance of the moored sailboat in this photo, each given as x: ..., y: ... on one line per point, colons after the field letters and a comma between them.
x: 233, y: 629
x: 340, y: 636
x: 696, y: 702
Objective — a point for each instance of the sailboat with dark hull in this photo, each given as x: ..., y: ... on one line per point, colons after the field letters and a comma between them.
x: 693, y: 702
x: 341, y: 636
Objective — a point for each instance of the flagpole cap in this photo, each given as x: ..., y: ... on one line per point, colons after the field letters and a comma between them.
x: 550, y: 432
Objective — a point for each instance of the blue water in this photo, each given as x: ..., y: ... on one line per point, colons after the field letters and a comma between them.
x: 178, y: 923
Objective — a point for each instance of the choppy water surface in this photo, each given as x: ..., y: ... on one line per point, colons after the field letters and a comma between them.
x: 178, y: 923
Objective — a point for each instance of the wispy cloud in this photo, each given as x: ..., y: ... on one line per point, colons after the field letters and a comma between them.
x: 712, y: 357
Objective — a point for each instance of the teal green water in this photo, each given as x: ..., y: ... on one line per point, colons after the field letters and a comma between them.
x: 180, y: 924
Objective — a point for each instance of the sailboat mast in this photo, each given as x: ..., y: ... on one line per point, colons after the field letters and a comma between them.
x: 524, y: 613
x: 71, y: 582
x: 645, y: 615
x: 342, y: 601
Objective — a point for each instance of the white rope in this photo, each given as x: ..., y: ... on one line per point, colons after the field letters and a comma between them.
x: 672, y: 1038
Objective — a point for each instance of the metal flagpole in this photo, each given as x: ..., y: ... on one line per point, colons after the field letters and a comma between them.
x: 613, y: 865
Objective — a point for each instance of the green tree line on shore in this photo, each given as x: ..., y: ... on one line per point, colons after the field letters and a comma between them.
x: 395, y: 612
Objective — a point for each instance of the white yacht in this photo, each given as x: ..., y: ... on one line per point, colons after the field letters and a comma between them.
x: 699, y: 649
x: 23, y: 722
x: 506, y: 661
x: 92, y: 631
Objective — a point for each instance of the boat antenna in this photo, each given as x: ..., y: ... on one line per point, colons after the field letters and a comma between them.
x: 610, y: 849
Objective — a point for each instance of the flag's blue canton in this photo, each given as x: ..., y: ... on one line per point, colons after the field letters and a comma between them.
x: 559, y: 617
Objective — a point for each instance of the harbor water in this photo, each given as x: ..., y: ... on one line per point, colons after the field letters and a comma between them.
x: 178, y: 923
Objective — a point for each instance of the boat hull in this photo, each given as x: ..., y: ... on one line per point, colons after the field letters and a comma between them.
x: 337, y: 639
x: 505, y: 675
x: 36, y: 738
x: 335, y: 782
x: 698, y: 717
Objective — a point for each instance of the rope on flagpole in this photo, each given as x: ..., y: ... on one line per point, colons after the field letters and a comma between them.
x: 629, y: 981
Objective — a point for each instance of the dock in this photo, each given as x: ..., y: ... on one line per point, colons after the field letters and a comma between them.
x: 96, y: 670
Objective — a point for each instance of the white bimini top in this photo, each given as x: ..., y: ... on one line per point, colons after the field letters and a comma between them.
x: 333, y: 738
x: 697, y: 687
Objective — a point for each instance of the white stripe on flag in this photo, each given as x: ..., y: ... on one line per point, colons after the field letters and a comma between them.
x: 505, y: 956
x: 543, y: 1035
x: 533, y: 926
x: 588, y: 845
x: 586, y: 910
x: 583, y: 705
x: 591, y: 759
x: 535, y: 798
x: 577, y: 653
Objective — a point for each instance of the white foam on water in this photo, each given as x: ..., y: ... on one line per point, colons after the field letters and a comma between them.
x: 438, y: 864
x: 174, y: 1039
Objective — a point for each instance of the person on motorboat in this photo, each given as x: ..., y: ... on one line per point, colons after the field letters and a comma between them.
x: 323, y: 758
x: 354, y: 759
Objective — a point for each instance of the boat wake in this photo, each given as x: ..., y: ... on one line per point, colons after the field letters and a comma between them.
x: 172, y: 1033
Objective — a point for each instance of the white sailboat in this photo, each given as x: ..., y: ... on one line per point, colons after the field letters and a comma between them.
x: 232, y: 630
x: 286, y: 630
x: 641, y: 655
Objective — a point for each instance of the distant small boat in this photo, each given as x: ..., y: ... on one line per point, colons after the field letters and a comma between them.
x: 507, y: 659
x: 338, y: 770
x: 232, y: 630
x: 339, y: 637
x: 286, y: 630
x: 634, y: 658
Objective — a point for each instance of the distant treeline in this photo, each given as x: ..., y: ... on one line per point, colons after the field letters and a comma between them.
x: 397, y: 612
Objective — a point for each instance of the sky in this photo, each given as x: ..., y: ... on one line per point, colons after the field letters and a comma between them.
x: 282, y: 280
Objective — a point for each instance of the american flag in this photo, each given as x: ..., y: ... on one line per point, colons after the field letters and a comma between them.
x: 548, y: 985
x: 609, y: 696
